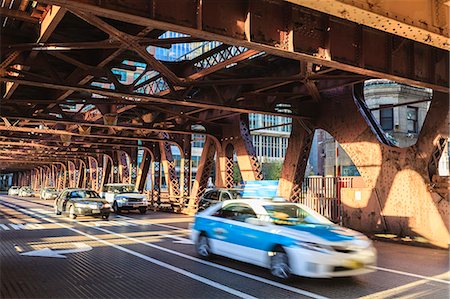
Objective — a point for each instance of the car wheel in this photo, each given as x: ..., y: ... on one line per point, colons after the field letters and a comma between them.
x: 202, y: 246
x: 142, y: 210
x: 116, y: 208
x: 279, y: 264
x: 72, y: 212
x: 57, y: 212
x: 105, y: 216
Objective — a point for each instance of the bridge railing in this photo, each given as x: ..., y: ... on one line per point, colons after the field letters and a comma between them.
x: 323, y: 195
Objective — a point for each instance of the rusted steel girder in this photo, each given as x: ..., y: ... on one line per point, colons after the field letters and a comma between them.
x: 143, y: 170
x: 399, y: 191
x: 124, y: 167
x: 423, y: 21
x: 204, y: 172
x: 146, y: 98
x: 238, y: 135
x: 295, y: 161
x: 172, y: 180
x: 287, y: 30
x: 156, y: 176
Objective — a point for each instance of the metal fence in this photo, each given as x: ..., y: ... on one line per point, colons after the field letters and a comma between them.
x: 323, y: 195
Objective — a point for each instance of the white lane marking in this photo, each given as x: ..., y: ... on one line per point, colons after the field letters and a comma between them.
x: 155, y: 261
x: 4, y: 226
x: 410, y: 274
x: 17, y: 226
x: 231, y: 270
x: 132, y: 220
x: 404, y: 291
x: 179, y: 240
x: 59, y: 253
x: 217, y: 266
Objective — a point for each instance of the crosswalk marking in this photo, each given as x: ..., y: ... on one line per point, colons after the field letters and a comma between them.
x: 3, y: 226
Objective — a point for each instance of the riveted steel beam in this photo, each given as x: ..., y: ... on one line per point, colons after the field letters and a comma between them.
x: 292, y: 31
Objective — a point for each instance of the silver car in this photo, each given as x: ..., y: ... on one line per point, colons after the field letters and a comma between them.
x: 25, y: 191
x: 14, y: 190
x: 48, y: 193
x: 124, y: 197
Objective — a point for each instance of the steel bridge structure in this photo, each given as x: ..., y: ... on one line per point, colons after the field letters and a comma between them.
x: 307, y: 60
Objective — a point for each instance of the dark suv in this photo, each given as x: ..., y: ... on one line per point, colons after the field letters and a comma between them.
x: 212, y: 197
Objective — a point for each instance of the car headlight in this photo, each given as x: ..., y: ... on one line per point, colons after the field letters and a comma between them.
x: 314, y: 247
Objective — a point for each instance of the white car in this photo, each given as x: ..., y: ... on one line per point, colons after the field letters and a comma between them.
x: 14, y: 190
x: 287, y: 238
x: 48, y: 193
x: 124, y: 197
x: 25, y: 192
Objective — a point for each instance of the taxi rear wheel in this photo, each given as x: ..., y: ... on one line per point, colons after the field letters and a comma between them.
x: 279, y: 264
x: 202, y: 246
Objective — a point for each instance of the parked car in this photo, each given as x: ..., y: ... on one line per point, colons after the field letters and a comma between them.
x: 81, y: 202
x: 48, y: 193
x: 211, y: 197
x: 124, y: 197
x: 287, y: 238
x: 14, y: 190
x: 25, y: 191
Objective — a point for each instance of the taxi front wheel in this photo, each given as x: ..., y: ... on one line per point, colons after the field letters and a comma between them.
x: 279, y: 264
x: 202, y: 246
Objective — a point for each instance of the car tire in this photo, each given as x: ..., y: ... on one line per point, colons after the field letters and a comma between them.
x: 279, y: 264
x: 57, y: 212
x: 105, y: 216
x: 142, y: 210
x: 202, y: 246
x: 116, y: 208
x: 72, y: 213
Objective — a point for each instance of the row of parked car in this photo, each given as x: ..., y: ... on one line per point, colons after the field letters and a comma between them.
x: 77, y: 201
x: 25, y: 191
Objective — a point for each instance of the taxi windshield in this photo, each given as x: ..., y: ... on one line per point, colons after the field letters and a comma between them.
x: 292, y: 214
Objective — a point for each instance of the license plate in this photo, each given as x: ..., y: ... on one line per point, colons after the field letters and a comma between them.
x: 95, y: 211
x: 352, y: 264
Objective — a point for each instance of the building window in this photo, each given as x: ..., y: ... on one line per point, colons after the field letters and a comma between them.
x: 411, y: 117
x: 387, y: 119
x: 121, y: 75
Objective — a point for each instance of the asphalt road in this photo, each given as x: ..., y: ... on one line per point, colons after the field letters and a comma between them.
x: 150, y: 256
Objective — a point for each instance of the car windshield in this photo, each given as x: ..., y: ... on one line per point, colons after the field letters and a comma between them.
x: 292, y: 214
x: 83, y: 194
x: 236, y: 194
x: 121, y: 189
x: 50, y: 189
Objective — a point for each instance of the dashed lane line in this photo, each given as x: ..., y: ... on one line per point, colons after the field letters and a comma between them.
x: 217, y: 266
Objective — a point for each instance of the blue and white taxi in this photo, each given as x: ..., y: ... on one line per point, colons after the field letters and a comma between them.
x: 287, y: 238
